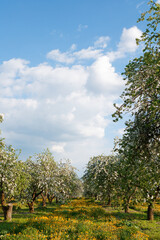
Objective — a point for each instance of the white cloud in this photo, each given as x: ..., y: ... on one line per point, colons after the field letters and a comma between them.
x: 89, y: 53
x: 11, y: 70
x: 71, y: 57
x: 127, y: 43
x: 102, y: 42
x: 128, y: 39
x: 158, y: 1
x: 58, y: 148
x: 103, y: 78
x: 79, y: 150
x: 55, y: 106
x: 60, y: 57
x: 54, y: 82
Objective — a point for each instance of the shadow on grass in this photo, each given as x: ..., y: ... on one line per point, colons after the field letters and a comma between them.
x: 127, y: 216
x: 6, y: 227
x: 136, y: 215
x: 11, y: 227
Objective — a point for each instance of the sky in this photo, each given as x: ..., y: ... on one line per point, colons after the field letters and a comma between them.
x: 60, y: 73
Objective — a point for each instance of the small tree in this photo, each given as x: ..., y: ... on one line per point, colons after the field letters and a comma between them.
x: 34, y: 188
x: 100, y: 177
x: 47, y: 175
x: 67, y: 181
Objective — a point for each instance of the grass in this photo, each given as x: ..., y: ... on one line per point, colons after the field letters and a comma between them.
x: 80, y: 219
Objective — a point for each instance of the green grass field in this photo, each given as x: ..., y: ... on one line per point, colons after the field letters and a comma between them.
x: 80, y: 219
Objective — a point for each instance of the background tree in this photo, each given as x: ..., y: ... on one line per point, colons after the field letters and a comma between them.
x: 90, y: 185
x: 47, y: 174
x: 67, y: 181
x: 100, y: 176
x: 34, y: 188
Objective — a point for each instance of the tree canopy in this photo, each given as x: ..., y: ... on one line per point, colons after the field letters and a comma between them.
x: 140, y: 145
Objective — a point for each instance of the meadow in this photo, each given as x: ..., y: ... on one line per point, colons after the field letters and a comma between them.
x: 80, y: 219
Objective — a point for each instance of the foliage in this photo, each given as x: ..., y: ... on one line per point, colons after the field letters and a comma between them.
x: 11, y: 171
x: 100, y: 176
x: 141, y: 94
x: 67, y: 181
x: 34, y: 188
x: 140, y: 145
x: 48, y: 177
x: 47, y: 170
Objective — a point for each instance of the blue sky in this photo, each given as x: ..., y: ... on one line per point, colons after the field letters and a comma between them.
x: 30, y: 29
x: 60, y: 73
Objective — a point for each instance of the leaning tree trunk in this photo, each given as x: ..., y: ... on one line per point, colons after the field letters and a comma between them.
x: 7, y: 211
x: 31, y: 204
x: 31, y: 207
x: 150, y: 214
x: 44, y: 198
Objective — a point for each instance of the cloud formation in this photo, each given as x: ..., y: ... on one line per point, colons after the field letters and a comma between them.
x: 60, y: 57
x: 102, y: 42
x: 127, y: 43
x: 66, y: 107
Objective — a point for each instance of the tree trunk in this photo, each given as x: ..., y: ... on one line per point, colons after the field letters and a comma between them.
x: 44, y: 198
x: 2, y: 198
x: 150, y: 215
x: 31, y: 204
x: 50, y: 198
x: 126, y: 204
x: 109, y: 202
x: 31, y: 207
x: 126, y: 208
x: 7, y: 210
